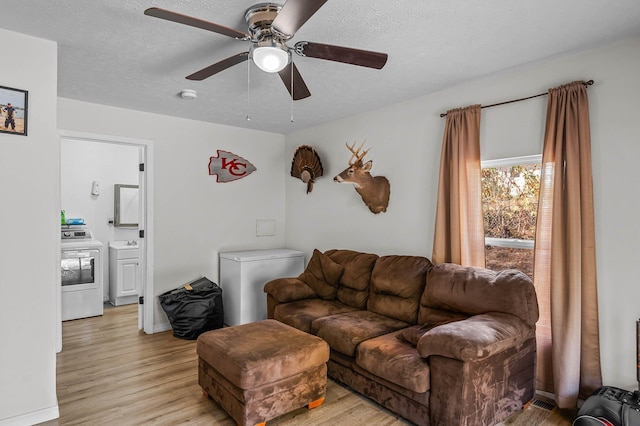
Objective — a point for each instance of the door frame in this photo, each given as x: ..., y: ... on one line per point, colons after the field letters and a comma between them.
x: 146, y: 217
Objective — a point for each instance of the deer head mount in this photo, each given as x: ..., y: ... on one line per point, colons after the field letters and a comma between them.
x: 374, y: 190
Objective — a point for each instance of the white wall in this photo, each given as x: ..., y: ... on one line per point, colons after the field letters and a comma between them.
x: 195, y: 217
x: 29, y: 214
x: 405, y: 142
x: 81, y: 163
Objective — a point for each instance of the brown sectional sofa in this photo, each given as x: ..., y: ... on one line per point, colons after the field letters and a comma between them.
x: 437, y: 344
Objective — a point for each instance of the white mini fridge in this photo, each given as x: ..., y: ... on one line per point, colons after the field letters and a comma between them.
x: 243, y: 275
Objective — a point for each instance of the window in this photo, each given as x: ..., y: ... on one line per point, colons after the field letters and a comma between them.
x: 510, y: 190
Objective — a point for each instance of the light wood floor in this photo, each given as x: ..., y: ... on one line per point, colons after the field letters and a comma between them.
x: 109, y: 373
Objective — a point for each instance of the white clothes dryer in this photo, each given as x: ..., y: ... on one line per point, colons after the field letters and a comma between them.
x: 81, y: 261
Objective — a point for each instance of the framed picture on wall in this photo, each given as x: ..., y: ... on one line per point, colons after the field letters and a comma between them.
x: 13, y: 111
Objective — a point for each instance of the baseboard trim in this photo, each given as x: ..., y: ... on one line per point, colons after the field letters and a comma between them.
x: 32, y: 418
x: 544, y: 394
x: 159, y: 328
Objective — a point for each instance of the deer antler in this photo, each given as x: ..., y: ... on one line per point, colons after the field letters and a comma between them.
x: 356, y: 153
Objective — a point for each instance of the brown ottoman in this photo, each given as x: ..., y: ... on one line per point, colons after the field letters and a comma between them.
x: 261, y: 370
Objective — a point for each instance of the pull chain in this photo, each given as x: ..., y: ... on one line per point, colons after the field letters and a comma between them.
x: 249, y: 88
x: 292, y: 92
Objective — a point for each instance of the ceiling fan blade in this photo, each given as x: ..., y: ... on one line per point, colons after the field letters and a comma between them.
x: 347, y: 55
x: 218, y: 66
x: 300, y: 89
x: 157, y: 12
x: 294, y: 14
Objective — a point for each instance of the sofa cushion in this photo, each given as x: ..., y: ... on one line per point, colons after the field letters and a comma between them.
x: 413, y: 334
x: 396, y: 285
x: 474, y: 291
x: 388, y: 357
x: 323, y: 275
x: 288, y: 289
x: 354, y: 283
x: 475, y: 338
x: 344, y: 332
x: 431, y: 315
x: 300, y: 314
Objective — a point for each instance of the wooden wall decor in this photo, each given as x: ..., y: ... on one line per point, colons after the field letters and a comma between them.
x: 374, y: 190
x: 306, y: 165
x: 228, y: 166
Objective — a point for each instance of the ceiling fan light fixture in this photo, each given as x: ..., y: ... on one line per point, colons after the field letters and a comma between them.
x: 270, y: 26
x: 270, y: 57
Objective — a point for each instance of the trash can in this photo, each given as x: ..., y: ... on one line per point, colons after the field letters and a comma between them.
x: 194, y: 308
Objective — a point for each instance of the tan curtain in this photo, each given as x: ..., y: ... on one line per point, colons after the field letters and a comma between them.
x: 565, y: 261
x: 459, y: 232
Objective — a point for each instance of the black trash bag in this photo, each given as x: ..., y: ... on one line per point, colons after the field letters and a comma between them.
x: 194, y: 308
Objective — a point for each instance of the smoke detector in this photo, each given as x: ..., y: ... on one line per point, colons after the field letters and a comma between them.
x: 189, y: 94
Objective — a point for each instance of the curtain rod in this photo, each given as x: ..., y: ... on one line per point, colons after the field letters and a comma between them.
x: 586, y: 83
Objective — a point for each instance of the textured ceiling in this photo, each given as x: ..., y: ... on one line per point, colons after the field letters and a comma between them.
x: 110, y: 53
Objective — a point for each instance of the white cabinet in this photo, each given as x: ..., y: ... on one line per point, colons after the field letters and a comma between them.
x: 243, y: 275
x: 124, y: 272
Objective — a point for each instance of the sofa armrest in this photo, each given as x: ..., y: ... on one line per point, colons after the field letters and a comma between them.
x: 476, y: 337
x: 288, y: 290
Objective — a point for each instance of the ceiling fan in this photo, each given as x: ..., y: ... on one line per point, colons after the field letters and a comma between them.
x: 270, y: 26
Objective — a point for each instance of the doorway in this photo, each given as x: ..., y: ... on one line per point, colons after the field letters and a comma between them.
x: 91, y: 198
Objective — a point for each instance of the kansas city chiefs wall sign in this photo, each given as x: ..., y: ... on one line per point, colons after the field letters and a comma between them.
x: 229, y: 166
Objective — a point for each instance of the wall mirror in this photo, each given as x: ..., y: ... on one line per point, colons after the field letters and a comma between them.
x: 126, y: 206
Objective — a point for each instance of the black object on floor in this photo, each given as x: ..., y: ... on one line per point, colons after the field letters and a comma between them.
x: 193, y: 308
x: 610, y: 406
